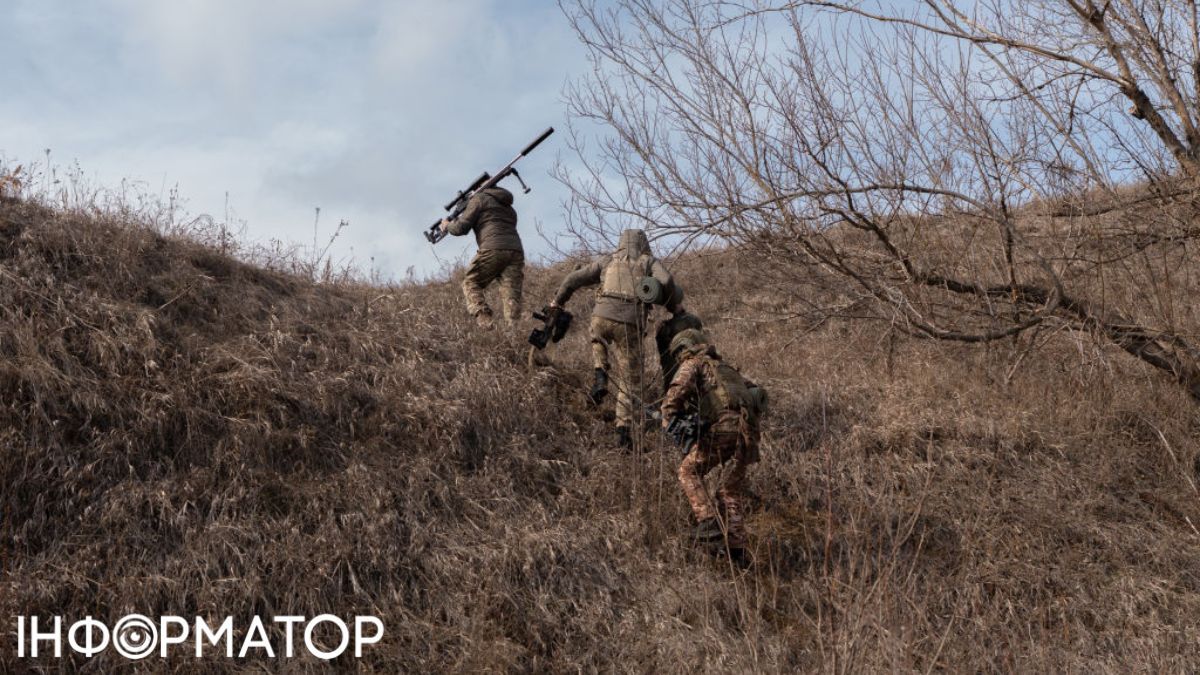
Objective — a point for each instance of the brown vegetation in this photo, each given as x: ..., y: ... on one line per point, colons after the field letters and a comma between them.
x: 899, y: 153
x: 183, y: 433
x: 11, y: 182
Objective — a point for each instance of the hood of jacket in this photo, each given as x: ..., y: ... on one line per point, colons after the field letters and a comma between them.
x: 633, y: 244
x: 500, y: 194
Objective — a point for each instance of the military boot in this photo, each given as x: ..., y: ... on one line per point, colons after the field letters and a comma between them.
x: 484, y: 319
x: 708, y: 532
x: 624, y: 439
x: 740, y: 557
x: 599, y: 387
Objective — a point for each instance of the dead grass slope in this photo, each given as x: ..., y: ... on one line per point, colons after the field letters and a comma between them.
x: 181, y: 433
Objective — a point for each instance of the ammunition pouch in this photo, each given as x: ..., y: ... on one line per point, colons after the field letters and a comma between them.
x: 759, y: 402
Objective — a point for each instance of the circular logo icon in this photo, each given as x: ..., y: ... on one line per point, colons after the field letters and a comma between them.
x: 135, y: 637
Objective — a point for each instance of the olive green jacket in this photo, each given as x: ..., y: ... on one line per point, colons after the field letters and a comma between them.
x: 490, y: 215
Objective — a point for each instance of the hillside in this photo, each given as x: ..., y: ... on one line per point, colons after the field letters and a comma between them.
x: 182, y: 433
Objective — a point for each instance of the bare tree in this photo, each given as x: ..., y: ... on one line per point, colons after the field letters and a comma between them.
x: 967, y: 171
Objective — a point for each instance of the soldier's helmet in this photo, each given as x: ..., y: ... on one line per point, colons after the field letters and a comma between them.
x: 634, y: 243
x: 686, y: 339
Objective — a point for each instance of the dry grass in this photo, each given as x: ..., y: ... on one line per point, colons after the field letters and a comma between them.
x: 11, y: 182
x: 186, y: 434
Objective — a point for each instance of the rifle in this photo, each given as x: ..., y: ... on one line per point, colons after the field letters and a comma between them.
x: 683, y: 430
x: 485, y: 180
x: 555, y: 320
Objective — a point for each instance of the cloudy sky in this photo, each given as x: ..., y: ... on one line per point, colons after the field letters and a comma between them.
x: 374, y: 110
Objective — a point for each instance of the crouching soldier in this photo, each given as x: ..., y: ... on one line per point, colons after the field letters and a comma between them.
x: 619, y: 319
x: 490, y: 215
x: 727, y: 409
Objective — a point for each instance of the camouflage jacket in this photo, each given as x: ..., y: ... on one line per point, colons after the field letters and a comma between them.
x: 691, y: 385
x: 489, y: 213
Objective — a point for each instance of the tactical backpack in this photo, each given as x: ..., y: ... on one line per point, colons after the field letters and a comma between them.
x: 622, y: 275
x: 760, y: 403
x: 730, y: 391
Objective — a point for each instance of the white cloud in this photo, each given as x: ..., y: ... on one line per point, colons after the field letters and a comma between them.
x: 226, y: 40
x: 425, y: 40
x: 374, y: 110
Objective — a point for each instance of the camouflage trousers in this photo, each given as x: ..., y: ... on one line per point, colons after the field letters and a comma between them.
x: 490, y: 265
x: 737, y: 449
x: 622, y: 343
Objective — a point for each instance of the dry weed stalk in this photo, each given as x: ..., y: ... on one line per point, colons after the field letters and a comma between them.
x: 11, y: 182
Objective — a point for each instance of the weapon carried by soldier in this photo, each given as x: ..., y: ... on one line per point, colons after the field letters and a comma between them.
x: 685, y: 431
x: 436, y: 233
x: 556, y: 322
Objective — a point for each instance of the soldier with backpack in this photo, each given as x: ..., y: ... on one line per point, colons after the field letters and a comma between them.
x: 727, y: 409
x: 619, y: 319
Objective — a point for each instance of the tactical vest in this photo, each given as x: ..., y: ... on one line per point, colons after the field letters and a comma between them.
x: 621, y: 277
x: 727, y: 391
